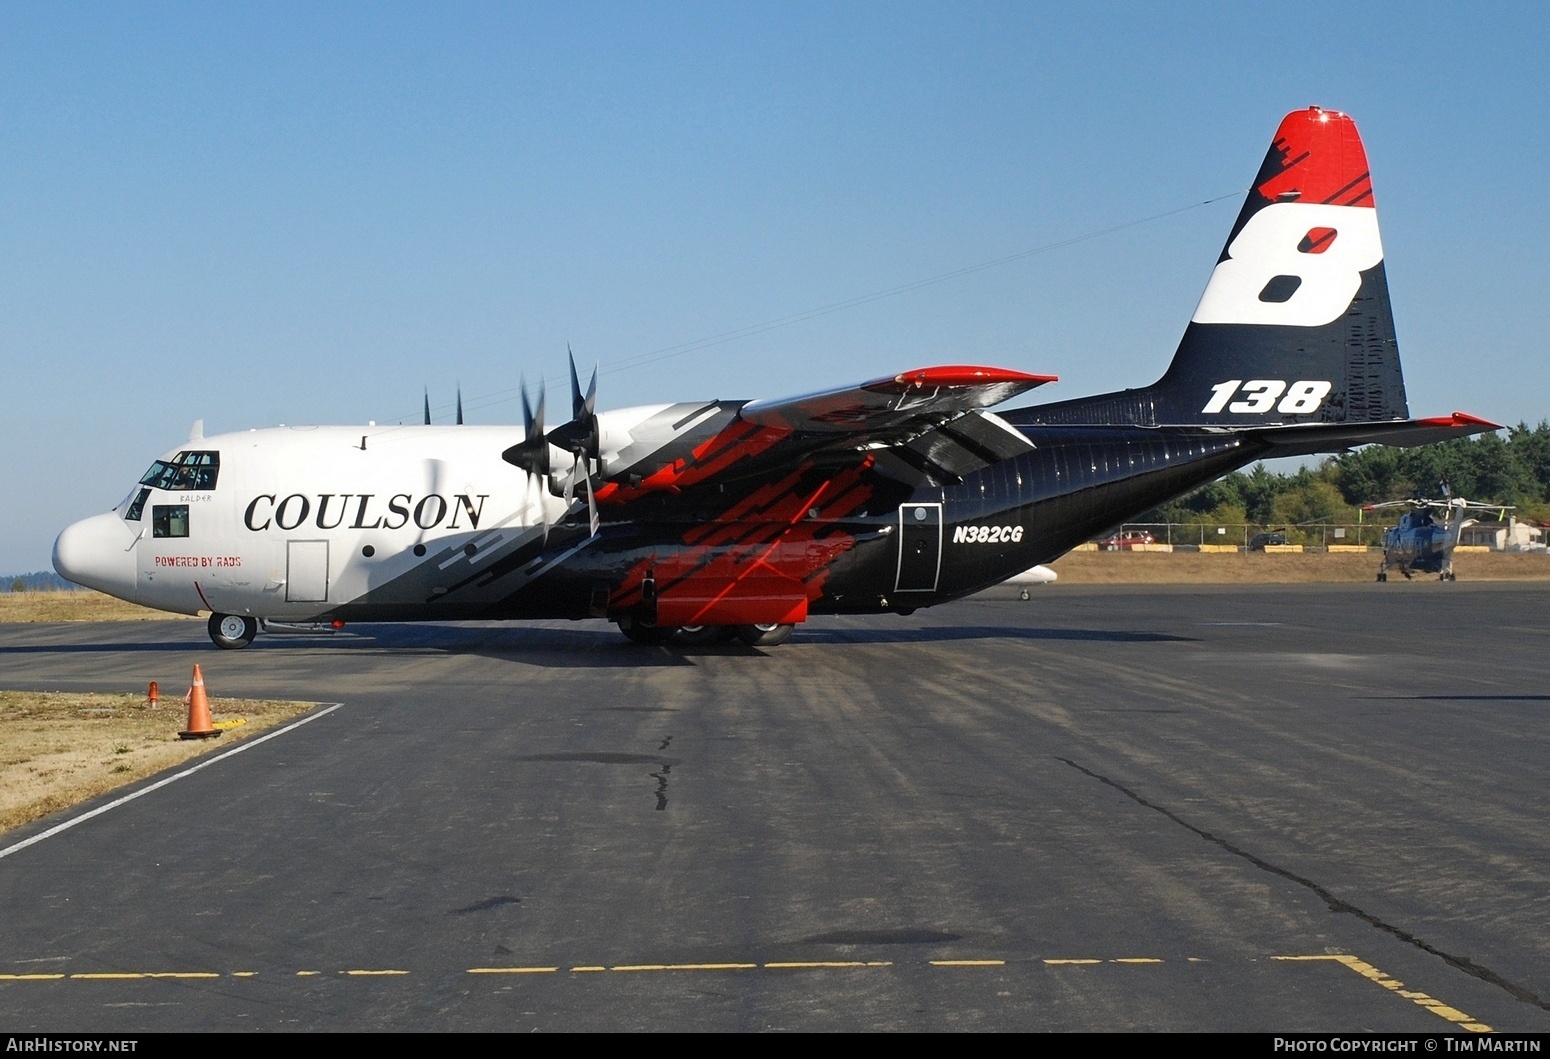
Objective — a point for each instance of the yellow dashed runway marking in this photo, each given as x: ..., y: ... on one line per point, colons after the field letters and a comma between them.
x: 813, y: 965
x: 370, y: 974
x: 686, y: 967
x: 1360, y: 966
x: 1367, y: 970
x: 118, y: 975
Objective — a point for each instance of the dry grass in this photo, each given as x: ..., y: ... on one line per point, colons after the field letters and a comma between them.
x: 1202, y: 568
x: 84, y: 605
x: 60, y: 748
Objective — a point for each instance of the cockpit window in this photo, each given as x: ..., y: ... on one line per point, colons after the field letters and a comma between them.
x: 137, y: 506
x: 169, y: 520
x: 186, y: 470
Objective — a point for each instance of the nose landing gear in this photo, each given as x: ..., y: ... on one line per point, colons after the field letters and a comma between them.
x: 232, y: 632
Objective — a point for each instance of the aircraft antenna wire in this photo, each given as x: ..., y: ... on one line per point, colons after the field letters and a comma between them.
x: 669, y: 352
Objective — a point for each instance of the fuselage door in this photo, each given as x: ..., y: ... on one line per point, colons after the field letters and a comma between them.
x: 306, y: 571
x: 920, y: 547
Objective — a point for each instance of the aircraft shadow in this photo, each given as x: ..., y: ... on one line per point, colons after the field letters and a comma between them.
x: 101, y: 648
x: 584, y: 648
x: 1459, y: 698
x: 947, y: 633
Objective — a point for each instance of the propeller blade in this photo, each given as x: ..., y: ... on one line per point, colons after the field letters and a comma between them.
x: 427, y: 406
x: 578, y: 406
x: 543, y: 514
x: 592, y: 520
x: 532, y: 420
x: 459, y: 404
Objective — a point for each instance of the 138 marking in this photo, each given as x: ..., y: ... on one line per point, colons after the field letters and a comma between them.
x: 1259, y: 396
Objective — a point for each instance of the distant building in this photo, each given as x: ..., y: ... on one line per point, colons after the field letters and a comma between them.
x: 1512, y: 535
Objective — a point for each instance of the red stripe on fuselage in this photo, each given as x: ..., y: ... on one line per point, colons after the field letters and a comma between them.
x: 768, y: 530
x: 738, y: 440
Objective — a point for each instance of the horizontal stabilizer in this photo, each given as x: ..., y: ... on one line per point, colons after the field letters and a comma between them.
x: 1305, y: 439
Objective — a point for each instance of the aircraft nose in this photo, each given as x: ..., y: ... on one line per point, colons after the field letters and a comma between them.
x: 96, y: 552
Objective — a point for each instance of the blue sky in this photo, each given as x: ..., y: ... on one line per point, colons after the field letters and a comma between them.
x: 254, y: 214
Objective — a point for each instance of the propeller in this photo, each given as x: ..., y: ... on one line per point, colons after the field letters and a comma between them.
x: 581, y: 437
x: 427, y: 406
x: 459, y: 404
x: 532, y: 452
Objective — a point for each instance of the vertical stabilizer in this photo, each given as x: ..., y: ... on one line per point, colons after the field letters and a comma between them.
x: 1295, y: 324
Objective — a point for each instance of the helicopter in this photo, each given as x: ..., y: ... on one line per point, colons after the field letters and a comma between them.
x: 1427, y: 534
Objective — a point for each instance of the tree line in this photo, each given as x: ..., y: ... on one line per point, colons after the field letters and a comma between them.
x: 39, y: 581
x: 1510, y: 466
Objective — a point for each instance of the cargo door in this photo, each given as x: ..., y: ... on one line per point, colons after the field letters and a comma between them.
x: 306, y: 571
x: 920, y: 547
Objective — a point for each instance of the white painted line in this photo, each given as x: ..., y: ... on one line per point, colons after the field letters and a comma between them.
x: 249, y: 745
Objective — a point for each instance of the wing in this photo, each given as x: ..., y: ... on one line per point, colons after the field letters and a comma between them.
x: 931, y: 419
x: 896, y: 408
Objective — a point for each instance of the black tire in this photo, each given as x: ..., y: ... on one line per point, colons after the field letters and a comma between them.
x: 764, y: 635
x: 232, y: 632
x: 650, y: 635
x: 700, y: 635
x: 1382, y: 575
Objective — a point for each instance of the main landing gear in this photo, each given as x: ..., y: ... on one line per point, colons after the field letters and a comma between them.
x: 232, y: 631
x: 700, y: 635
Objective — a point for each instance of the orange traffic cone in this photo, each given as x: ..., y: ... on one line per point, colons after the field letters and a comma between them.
x: 199, y: 724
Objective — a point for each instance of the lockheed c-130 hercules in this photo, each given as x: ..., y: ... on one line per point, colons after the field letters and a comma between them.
x: 713, y: 519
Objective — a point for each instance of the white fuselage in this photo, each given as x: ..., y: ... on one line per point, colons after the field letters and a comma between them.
x: 302, y: 519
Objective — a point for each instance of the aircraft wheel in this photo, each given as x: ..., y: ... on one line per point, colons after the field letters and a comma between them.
x: 705, y: 634
x: 1023, y: 594
x: 650, y: 635
x: 764, y: 635
x: 1382, y: 575
x: 232, y: 631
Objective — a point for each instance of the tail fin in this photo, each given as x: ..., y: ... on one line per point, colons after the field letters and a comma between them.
x: 1295, y: 325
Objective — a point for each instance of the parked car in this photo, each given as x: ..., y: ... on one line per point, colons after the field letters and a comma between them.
x: 1259, y: 540
x: 1126, y: 540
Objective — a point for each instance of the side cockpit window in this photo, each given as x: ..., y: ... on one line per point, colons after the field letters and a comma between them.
x: 186, y: 470
x: 136, y: 506
x: 169, y: 520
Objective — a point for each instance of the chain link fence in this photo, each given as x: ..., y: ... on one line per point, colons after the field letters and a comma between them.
x: 1138, y: 536
x: 1511, y: 535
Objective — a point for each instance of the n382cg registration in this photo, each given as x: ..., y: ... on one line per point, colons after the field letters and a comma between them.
x: 987, y: 534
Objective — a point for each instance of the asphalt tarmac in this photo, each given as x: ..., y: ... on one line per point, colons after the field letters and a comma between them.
x: 1318, y: 808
